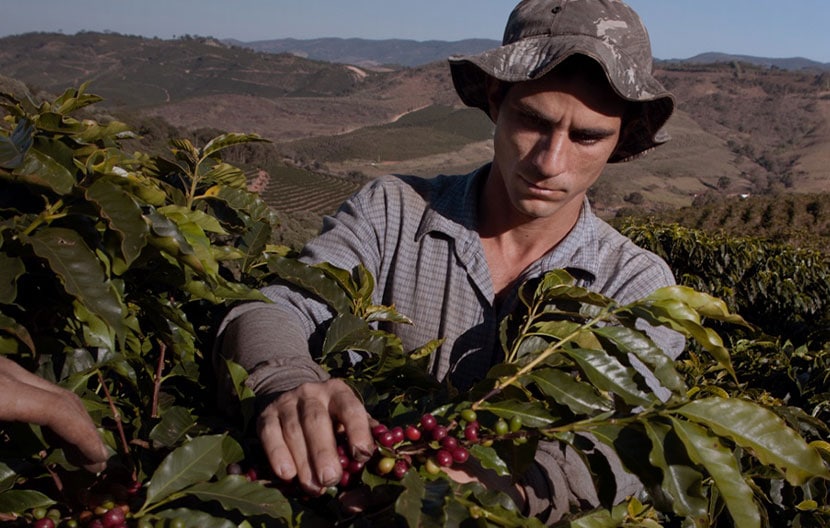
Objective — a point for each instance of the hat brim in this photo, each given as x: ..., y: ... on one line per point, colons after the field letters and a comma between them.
x: 532, y: 58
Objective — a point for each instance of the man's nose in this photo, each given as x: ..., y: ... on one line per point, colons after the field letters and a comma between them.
x: 552, y: 153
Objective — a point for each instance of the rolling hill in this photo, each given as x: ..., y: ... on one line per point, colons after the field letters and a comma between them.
x: 740, y: 128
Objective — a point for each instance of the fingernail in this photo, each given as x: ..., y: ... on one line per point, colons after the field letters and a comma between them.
x: 328, y: 476
x: 283, y: 472
x: 361, y: 454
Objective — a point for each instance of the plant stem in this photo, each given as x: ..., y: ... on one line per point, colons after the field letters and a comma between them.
x: 157, y: 380
x: 545, y: 354
x: 44, y: 216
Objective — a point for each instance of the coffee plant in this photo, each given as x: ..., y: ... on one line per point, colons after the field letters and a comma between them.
x: 115, y: 269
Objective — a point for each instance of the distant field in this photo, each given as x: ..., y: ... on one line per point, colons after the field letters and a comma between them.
x: 293, y: 190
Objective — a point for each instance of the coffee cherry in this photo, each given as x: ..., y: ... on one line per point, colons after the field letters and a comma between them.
x: 400, y: 469
x: 44, y: 522
x: 428, y: 422
x: 344, y: 461
x: 397, y: 434
x: 443, y: 457
x: 432, y: 467
x: 515, y: 424
x: 379, y: 430
x: 232, y: 469
x: 177, y: 523
x: 449, y: 443
x: 386, y: 465
x: 460, y: 454
x: 468, y: 415
x: 413, y: 434
x: 113, y: 518
x: 355, y: 467
x: 439, y: 433
x: 387, y: 439
x: 251, y: 475
x: 144, y: 522
x: 501, y: 427
x: 39, y: 513
x: 95, y: 523
x: 471, y: 433
x: 345, y: 478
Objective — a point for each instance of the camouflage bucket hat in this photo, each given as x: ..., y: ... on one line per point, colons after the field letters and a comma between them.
x: 540, y: 34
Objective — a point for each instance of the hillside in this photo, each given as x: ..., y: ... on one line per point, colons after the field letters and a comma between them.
x: 739, y: 129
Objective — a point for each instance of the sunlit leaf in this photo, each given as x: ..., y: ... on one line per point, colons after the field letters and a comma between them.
x: 608, y: 374
x: 196, y: 461
x: 579, y: 397
x: 532, y: 414
x: 22, y: 501
x: 709, y: 451
x: 236, y: 492
x: 313, y: 280
x: 762, y: 432
x: 228, y: 140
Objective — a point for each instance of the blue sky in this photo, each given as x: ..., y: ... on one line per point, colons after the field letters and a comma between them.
x: 679, y: 28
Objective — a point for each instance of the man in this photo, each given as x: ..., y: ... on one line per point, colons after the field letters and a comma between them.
x: 569, y: 90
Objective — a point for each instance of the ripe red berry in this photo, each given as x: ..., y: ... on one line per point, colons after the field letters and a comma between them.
x: 471, y: 433
x: 379, y: 430
x: 344, y: 461
x: 355, y: 466
x: 449, y: 443
x: 113, y: 518
x: 439, y: 433
x: 345, y: 478
x: 251, y: 475
x: 428, y: 422
x: 397, y: 434
x: 387, y: 439
x: 443, y: 457
x: 95, y: 523
x: 45, y: 522
x: 400, y: 469
x: 460, y: 454
x: 413, y: 434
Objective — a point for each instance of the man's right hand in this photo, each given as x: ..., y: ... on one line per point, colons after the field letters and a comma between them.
x: 297, y: 431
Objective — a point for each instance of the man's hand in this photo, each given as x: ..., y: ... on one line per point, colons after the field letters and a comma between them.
x: 297, y: 431
x: 25, y: 397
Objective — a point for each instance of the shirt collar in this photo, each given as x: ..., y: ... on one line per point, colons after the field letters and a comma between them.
x: 454, y: 213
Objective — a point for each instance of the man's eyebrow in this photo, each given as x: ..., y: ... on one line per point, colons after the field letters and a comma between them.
x: 587, y: 132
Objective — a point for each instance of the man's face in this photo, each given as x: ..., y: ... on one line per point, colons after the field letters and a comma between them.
x: 553, y: 138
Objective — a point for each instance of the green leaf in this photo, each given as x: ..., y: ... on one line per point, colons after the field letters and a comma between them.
x: 195, y: 518
x: 532, y: 414
x: 21, y: 501
x: 313, y: 280
x: 386, y: 314
x: 345, y: 331
x: 762, y: 432
x: 705, y: 304
x: 628, y: 340
x: 408, y: 503
x: 228, y: 140
x: 708, y: 451
x: 681, y: 482
x: 13, y: 148
x: 604, y: 518
x: 79, y: 270
x: 42, y: 170
x: 182, y: 215
x: 226, y: 174
x: 608, y: 374
x: 256, y: 237
x: 7, y: 477
x: 123, y: 215
x: 11, y: 268
x: 579, y: 397
x: 197, y: 461
x: 174, y: 425
x: 489, y: 459
x: 18, y: 331
x: 244, y: 394
x: 235, y: 492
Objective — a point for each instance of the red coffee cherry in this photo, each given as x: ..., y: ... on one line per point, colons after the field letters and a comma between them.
x: 113, y: 518
x: 443, y: 457
x: 449, y: 443
x: 45, y: 522
x: 439, y: 433
x: 428, y: 422
x: 387, y: 439
x: 400, y: 469
x: 355, y: 467
x: 471, y: 433
x: 379, y: 430
x: 397, y: 434
x: 413, y: 434
x: 460, y: 454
